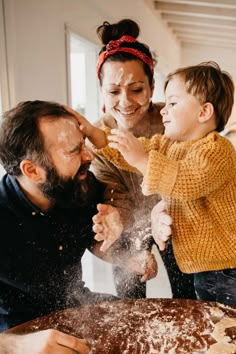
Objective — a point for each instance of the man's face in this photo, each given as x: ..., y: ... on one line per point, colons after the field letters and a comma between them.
x: 66, y: 176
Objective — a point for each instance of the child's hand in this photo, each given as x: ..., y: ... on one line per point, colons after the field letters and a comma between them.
x: 85, y: 126
x: 107, y: 225
x: 130, y: 147
x: 161, y: 224
x: 94, y: 134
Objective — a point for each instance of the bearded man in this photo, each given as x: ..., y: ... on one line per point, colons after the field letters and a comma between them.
x: 48, y: 200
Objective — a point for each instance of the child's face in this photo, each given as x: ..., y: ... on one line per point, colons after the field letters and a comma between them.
x: 181, y: 112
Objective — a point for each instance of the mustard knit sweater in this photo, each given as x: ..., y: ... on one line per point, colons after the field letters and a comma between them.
x: 197, y: 179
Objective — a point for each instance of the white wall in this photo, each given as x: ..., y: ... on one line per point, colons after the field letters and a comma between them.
x: 35, y: 37
x: 194, y: 54
x: 225, y: 57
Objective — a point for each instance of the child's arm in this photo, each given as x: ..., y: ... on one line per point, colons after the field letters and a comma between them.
x: 130, y: 147
x: 96, y: 135
x: 127, y: 152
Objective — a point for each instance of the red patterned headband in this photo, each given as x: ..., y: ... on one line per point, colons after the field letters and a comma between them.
x: 114, y: 46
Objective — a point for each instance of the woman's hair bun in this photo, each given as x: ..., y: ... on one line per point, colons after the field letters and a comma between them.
x: 107, y: 32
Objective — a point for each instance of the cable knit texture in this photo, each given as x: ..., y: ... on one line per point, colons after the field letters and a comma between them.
x: 198, y: 181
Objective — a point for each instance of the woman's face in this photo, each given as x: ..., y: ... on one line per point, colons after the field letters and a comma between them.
x: 126, y: 91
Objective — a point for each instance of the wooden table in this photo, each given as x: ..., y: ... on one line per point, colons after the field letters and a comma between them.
x: 146, y: 326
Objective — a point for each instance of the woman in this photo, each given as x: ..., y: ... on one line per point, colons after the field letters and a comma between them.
x: 125, y: 71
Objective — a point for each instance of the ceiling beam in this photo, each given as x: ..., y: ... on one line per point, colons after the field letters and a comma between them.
x: 228, y: 4
x: 204, y: 27
x: 194, y: 10
x: 205, y: 38
x: 211, y: 35
x: 200, y: 41
x: 202, y: 20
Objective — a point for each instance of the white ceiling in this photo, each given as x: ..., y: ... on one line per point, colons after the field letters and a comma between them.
x: 210, y: 22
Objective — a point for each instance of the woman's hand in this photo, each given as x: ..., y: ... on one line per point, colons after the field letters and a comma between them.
x: 130, y: 147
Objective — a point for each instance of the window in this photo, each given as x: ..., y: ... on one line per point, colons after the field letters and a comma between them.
x: 83, y: 87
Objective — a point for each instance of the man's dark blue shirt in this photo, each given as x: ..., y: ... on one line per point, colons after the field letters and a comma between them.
x: 40, y: 253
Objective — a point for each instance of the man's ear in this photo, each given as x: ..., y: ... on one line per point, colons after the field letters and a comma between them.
x: 32, y: 171
x: 206, y: 113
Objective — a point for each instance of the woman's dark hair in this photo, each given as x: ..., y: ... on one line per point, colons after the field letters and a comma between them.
x: 20, y: 136
x: 107, y: 32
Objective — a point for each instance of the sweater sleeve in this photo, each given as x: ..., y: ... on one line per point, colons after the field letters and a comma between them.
x: 207, y: 165
x: 152, y: 144
x: 116, y: 157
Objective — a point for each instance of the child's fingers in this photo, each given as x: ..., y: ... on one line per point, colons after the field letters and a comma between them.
x: 159, y: 207
x: 83, y: 129
x: 166, y: 219
x: 78, y: 116
x: 84, y: 124
x: 122, y: 135
x: 165, y: 232
x: 117, y: 139
x: 121, y: 132
x: 114, y: 145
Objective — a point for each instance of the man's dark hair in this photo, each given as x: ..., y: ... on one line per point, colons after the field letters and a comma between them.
x: 20, y: 136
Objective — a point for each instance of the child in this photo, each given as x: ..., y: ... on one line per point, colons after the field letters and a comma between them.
x: 193, y: 168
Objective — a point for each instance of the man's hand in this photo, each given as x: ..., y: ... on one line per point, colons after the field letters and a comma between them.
x: 130, y: 147
x: 143, y: 263
x: 49, y: 341
x: 161, y: 224
x: 107, y: 225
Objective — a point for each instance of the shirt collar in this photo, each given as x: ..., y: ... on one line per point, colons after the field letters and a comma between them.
x: 14, y: 186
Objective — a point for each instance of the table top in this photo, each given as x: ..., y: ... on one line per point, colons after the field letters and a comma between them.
x: 146, y: 326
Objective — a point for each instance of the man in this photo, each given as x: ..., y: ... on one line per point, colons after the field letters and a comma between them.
x: 47, y: 201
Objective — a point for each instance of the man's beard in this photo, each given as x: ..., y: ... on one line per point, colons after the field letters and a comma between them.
x: 66, y: 192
